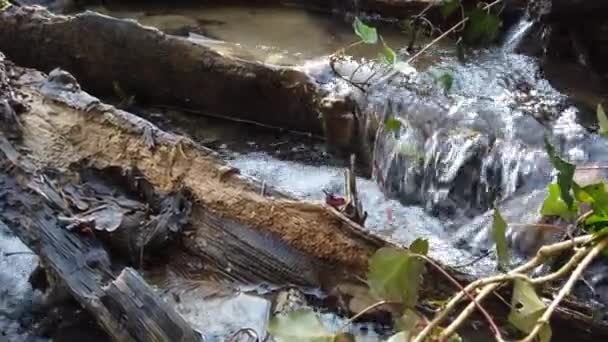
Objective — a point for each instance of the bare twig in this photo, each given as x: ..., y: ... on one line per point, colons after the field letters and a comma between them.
x: 539, y: 225
x: 332, y: 65
x: 474, y: 261
x: 363, y: 312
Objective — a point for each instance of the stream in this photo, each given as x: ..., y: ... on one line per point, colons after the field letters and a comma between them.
x: 455, y: 154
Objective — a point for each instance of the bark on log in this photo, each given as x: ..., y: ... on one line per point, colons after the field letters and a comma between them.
x: 125, y: 306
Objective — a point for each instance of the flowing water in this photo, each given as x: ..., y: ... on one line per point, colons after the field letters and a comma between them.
x: 517, y: 33
x: 457, y: 151
x: 16, y: 264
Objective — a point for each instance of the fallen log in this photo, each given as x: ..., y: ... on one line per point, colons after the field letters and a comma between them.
x: 105, y: 52
x: 124, y: 306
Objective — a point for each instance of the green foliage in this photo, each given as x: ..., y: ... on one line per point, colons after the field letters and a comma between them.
x: 482, y: 27
x: 420, y: 246
x: 554, y: 205
x: 602, y: 120
x: 565, y: 173
x: 390, y: 57
x: 526, y: 309
x: 302, y: 326
x: 392, y: 125
x: 597, y: 197
x: 368, y: 34
x: 449, y: 6
x: 499, y: 233
x: 395, y: 274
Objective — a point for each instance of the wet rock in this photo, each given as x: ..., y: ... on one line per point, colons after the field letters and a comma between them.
x: 220, y: 317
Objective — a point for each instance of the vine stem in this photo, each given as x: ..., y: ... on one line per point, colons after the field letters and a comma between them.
x: 363, y: 312
x: 542, y: 255
x: 485, y: 313
x: 492, y: 283
x: 566, y: 289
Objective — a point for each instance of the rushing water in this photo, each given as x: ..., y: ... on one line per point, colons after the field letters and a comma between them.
x: 517, y: 33
x: 16, y: 264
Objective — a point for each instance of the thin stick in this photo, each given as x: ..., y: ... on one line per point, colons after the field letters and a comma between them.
x: 363, y: 312
x: 539, y: 225
x: 474, y: 261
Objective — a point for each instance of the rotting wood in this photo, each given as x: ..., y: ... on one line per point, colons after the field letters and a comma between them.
x: 81, y: 262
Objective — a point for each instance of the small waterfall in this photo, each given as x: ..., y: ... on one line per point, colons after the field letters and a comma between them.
x: 457, y: 154
x: 517, y: 34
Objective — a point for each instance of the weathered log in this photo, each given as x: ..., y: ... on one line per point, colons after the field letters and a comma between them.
x: 101, y: 51
x: 125, y: 306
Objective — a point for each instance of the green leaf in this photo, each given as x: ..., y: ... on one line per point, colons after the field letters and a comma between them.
x: 565, y: 173
x: 482, y: 27
x: 392, y: 125
x: 527, y: 308
x: 554, y: 205
x: 396, y: 274
x: 389, y: 54
x: 595, y: 195
x: 368, y: 34
x: 299, y: 326
x: 446, y: 80
x: 420, y: 246
x: 499, y: 233
x: 602, y: 120
x: 449, y: 6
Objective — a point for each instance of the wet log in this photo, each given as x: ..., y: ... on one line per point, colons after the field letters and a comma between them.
x: 124, y: 306
x: 102, y: 51
x: 156, y: 68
